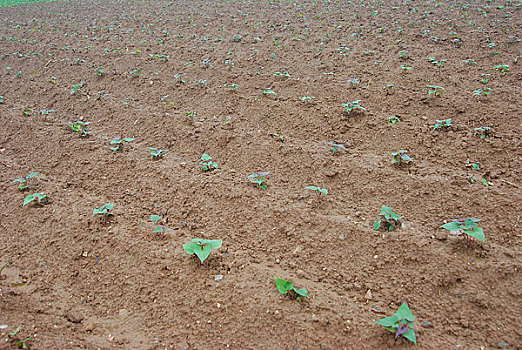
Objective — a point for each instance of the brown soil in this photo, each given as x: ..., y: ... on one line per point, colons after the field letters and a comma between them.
x: 75, y: 282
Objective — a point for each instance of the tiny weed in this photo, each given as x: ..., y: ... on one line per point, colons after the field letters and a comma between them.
x: 287, y: 287
x: 38, y: 198
x: 354, y: 105
x: 444, y: 124
x: 485, y: 91
x: 318, y: 189
x: 394, y: 119
x: 401, y: 323
x: 336, y: 147
x: 23, y: 180
x: 207, y: 164
x: 82, y: 128
x: 258, y: 179
x: 483, y: 131
x: 119, y: 142
x: 307, y: 98
x: 22, y: 344
x: 157, y: 153
x: 400, y: 157
x: 75, y: 88
x: 104, y: 210
x: 268, y: 91
x: 434, y: 90
x: 202, y: 247
x: 502, y: 67
x: 387, y: 219
x: 231, y: 86
x: 279, y: 136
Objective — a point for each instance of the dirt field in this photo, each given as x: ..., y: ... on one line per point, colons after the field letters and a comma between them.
x: 260, y: 87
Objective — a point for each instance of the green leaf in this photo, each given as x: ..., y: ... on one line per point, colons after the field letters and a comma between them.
x: 410, y: 335
x: 323, y: 191
x: 477, y: 233
x: 404, y: 313
x: 386, y: 211
x: 116, y: 148
x: 155, y: 218
x: 377, y: 225
x: 109, y: 206
x: 203, y: 251
x: 452, y: 226
x: 28, y: 199
x: 31, y: 175
x: 313, y: 188
x: 21, y: 179
x: 303, y: 292
x: 283, y: 286
x: 128, y: 139
x: 388, y: 321
x: 205, y: 157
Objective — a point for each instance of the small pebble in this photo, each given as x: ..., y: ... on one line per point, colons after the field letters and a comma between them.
x: 503, y: 345
x: 427, y: 324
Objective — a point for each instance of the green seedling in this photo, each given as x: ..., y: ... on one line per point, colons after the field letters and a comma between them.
x: 470, y: 61
x: 75, y: 88
x: 502, y: 67
x: 468, y: 226
x: 1, y: 99
x: 104, y: 210
x: 202, y: 247
x: 26, y: 112
x: 82, y: 128
x: 350, y: 106
x: 268, y: 91
x: 444, y: 124
x: 434, y: 90
x: 436, y: 62
x: 282, y: 74
x: 3, y: 267
x: 400, y: 157
x: 318, y: 189
x: 155, y: 218
x: 287, y: 287
x: 389, y: 88
x: 99, y: 72
x: 136, y: 72
x: 336, y: 147
x: 352, y: 83
x: 157, y: 153
x: 404, y: 54
x: 483, y: 131
x: 307, y: 98
x: 119, y: 142
x: 23, y: 180
x: 394, y: 119
x: 401, y: 323
x: 279, y: 136
x: 258, y: 179
x: 22, y: 344
x: 38, y: 198
x: 160, y: 231
x: 207, y: 164
x: 180, y: 78
x: 405, y: 67
x: 482, y: 91
x: 231, y: 86
x: 387, y: 219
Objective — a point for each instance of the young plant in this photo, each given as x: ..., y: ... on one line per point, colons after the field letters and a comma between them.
x: 502, y: 67
x: 279, y: 135
x: 353, y: 83
x: 483, y: 131
x: 202, y: 247
x: 434, y: 90
x: 231, y: 86
x: 401, y: 323
x: 318, y: 189
x: 400, y: 157
x: 22, y: 344
x: 485, y: 91
x: 387, y: 219
x: 119, y: 142
x: 23, y: 180
x: 405, y: 67
x: 157, y: 153
x: 75, y: 88
x: 258, y: 179
x: 350, y: 106
x: 287, y: 287
x: 336, y: 147
x: 394, y: 119
x: 468, y: 226
x: 82, y: 128
x: 268, y: 91
x: 444, y: 124
x: 308, y: 99
x: 207, y: 164
x: 104, y: 210
x: 38, y: 198
x: 160, y: 230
